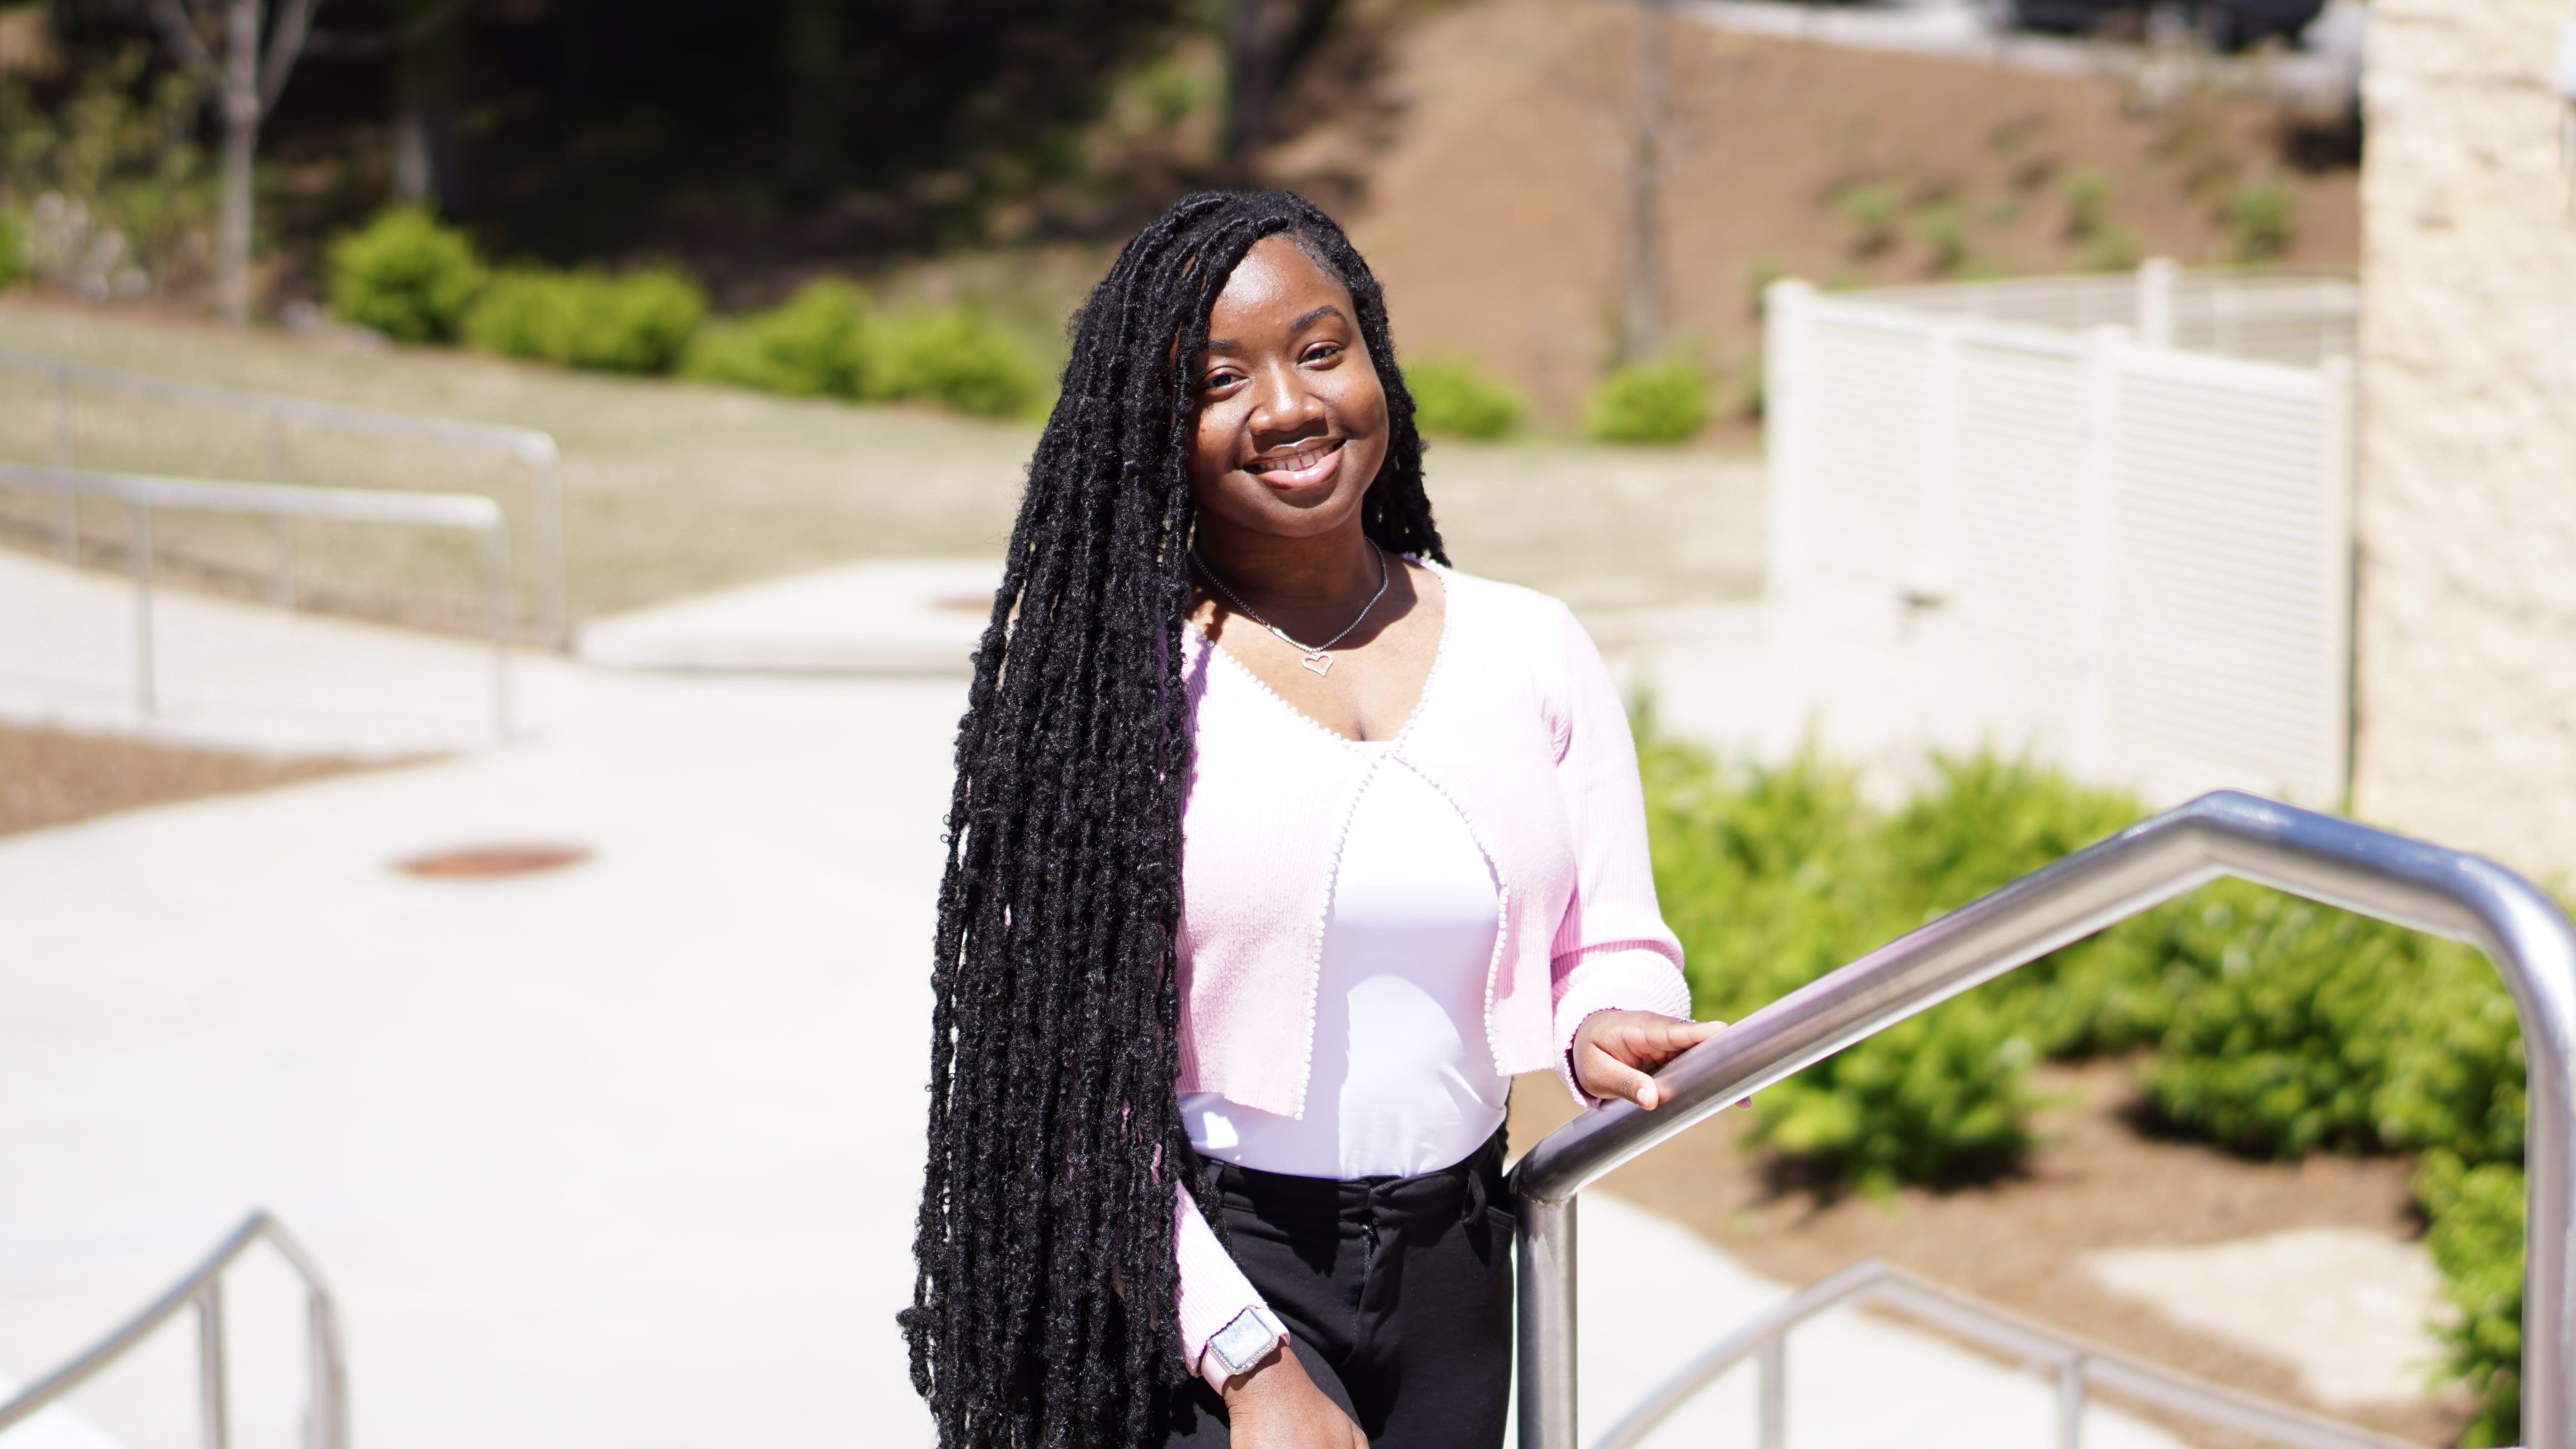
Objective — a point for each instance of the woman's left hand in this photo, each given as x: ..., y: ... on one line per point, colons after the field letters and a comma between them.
x: 1616, y: 1053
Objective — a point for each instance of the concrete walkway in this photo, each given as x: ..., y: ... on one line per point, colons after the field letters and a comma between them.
x: 618, y: 1155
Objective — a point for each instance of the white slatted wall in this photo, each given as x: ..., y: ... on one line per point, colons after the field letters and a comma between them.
x: 2132, y: 560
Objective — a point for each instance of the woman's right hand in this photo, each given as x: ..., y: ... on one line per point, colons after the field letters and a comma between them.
x: 1276, y: 1406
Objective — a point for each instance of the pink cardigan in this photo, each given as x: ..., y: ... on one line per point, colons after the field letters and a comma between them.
x: 1521, y: 728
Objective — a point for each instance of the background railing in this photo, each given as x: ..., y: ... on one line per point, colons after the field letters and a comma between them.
x: 2321, y: 857
x: 2267, y: 316
x: 141, y: 493
x: 2077, y: 1364
x: 326, y: 1413
x: 279, y: 414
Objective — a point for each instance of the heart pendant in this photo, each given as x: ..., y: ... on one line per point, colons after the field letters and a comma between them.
x: 1319, y: 661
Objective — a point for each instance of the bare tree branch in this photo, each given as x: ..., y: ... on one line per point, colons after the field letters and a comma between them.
x: 288, y: 27
x: 179, y: 25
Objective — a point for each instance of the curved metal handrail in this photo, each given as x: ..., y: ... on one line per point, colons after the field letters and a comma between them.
x: 2076, y: 1361
x: 2322, y: 857
x: 326, y: 1420
x: 140, y: 493
x: 533, y: 447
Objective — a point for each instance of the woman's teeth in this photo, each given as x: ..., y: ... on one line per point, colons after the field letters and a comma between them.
x: 1296, y: 462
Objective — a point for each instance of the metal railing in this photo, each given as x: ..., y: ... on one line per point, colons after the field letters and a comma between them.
x: 140, y: 493
x: 2077, y: 1364
x: 326, y: 1412
x: 530, y: 446
x: 2321, y: 857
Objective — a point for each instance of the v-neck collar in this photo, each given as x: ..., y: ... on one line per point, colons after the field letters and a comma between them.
x: 1421, y: 702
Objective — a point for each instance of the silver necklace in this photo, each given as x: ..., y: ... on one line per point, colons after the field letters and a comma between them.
x: 1314, y: 656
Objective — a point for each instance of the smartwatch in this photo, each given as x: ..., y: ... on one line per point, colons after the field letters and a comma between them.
x: 1244, y: 1343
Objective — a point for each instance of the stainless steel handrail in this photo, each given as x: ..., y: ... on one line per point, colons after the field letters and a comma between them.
x: 326, y: 1414
x: 2076, y: 1363
x: 2324, y: 858
x: 530, y: 446
x: 143, y: 492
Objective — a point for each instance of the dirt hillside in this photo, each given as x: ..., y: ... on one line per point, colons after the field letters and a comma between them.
x: 1481, y: 159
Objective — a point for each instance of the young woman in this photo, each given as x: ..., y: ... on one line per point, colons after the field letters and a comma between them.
x: 1278, y: 847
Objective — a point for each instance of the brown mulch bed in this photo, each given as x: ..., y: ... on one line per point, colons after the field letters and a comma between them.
x: 2095, y: 1181
x: 53, y: 777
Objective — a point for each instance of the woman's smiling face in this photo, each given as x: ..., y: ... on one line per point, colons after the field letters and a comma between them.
x: 1291, y: 417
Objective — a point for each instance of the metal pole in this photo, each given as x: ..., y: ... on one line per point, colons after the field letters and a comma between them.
x: 66, y: 455
x: 496, y: 610
x: 210, y: 1367
x: 2070, y: 1403
x: 553, y: 607
x: 138, y: 543
x: 1546, y: 1262
x: 326, y: 1418
x: 1773, y: 1401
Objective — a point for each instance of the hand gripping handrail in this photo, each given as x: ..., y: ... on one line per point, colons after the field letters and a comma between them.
x: 2077, y: 1363
x: 326, y: 1414
x: 2372, y: 872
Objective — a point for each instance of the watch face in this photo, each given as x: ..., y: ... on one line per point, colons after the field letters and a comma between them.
x: 1242, y: 1342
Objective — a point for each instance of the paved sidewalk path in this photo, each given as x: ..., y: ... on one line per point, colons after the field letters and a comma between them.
x: 621, y: 1155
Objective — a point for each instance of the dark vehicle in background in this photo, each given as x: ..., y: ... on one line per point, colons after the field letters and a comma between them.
x: 2228, y: 24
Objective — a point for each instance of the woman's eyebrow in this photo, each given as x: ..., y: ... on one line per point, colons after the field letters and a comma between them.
x: 1228, y: 344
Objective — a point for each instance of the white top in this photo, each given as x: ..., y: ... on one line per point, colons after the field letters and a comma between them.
x: 1404, y: 1082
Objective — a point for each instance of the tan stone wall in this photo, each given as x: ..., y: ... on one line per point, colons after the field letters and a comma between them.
x: 2466, y: 640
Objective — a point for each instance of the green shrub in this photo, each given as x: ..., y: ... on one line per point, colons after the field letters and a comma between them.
x: 1942, y: 227
x: 2476, y: 1241
x: 1774, y: 875
x: 405, y: 276
x: 2087, y: 194
x: 2262, y: 219
x: 1459, y: 399
x: 2298, y: 1027
x: 1649, y: 402
x: 1873, y: 209
x: 2111, y: 249
x: 10, y: 231
x: 1934, y: 1097
x: 813, y: 344
x: 954, y: 357
x: 636, y: 322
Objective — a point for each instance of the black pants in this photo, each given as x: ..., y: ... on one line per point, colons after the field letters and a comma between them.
x: 1397, y: 1293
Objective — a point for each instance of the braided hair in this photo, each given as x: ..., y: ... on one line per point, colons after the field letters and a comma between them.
x: 1044, y: 1310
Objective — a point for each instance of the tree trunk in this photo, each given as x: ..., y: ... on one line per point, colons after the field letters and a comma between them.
x: 241, y: 108
x: 1644, y: 329
x: 1249, y: 50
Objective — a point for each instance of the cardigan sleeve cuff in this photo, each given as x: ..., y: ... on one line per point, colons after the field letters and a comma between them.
x: 1614, y: 978
x: 1214, y: 1291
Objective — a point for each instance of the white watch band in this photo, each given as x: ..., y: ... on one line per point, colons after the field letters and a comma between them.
x: 1246, y: 1341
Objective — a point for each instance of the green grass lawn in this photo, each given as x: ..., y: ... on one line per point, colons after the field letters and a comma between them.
x: 676, y: 488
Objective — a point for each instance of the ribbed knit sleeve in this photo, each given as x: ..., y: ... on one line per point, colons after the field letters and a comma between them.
x: 1213, y: 1289
x: 1612, y: 950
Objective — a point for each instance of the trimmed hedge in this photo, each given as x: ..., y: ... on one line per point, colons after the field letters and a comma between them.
x: 405, y: 276
x: 955, y: 357
x: 634, y: 322
x: 1456, y: 398
x: 812, y: 345
x: 1649, y: 402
